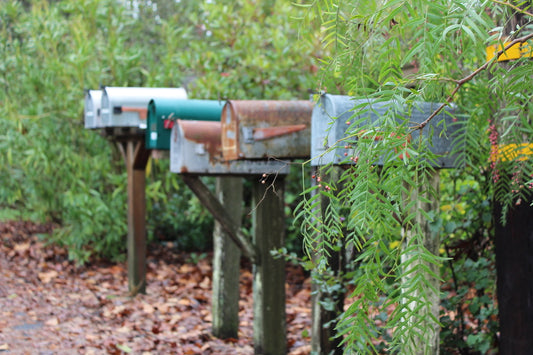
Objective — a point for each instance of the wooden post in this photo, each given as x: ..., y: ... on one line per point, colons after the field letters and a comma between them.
x: 226, y: 262
x: 427, y: 343
x: 323, y: 340
x: 268, y: 223
x: 136, y: 157
x: 514, y: 267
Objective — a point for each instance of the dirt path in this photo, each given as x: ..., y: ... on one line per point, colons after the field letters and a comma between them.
x: 50, y: 306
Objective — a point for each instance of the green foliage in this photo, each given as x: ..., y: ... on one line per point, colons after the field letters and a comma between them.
x: 51, y: 51
x: 402, y: 52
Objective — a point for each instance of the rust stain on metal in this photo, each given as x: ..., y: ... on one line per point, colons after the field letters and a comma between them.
x: 204, y: 132
x: 259, y: 115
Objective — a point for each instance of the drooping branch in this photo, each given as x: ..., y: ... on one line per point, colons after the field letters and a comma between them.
x: 461, y: 82
x: 514, y: 7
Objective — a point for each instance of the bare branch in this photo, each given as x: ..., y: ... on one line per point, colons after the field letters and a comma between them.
x: 469, y: 77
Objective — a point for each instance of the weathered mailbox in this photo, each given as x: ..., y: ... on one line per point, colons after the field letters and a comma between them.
x: 196, y: 148
x: 334, y: 114
x: 163, y: 112
x: 91, y: 112
x: 128, y: 106
x: 260, y: 129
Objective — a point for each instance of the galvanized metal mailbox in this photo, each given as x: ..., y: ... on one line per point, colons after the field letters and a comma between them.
x: 91, y: 112
x: 196, y: 148
x: 163, y: 112
x: 261, y: 129
x: 128, y: 106
x: 334, y: 114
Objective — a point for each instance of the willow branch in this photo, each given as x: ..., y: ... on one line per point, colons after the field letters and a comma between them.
x: 469, y: 77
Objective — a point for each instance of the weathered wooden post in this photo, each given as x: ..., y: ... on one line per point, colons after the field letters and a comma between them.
x: 226, y: 261
x: 331, y: 122
x: 162, y: 115
x: 259, y: 130
x: 196, y: 151
x: 121, y: 114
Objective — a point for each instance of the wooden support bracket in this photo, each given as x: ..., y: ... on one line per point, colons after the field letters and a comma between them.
x: 218, y: 211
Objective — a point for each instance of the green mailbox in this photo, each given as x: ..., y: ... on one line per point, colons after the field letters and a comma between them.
x: 163, y: 112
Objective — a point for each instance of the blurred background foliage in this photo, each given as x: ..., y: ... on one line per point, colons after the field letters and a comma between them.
x: 52, y: 169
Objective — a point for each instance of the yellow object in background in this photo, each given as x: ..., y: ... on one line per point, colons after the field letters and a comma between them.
x: 516, y: 51
x: 513, y: 151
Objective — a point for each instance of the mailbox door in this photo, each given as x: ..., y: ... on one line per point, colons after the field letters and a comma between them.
x: 91, y: 112
x: 260, y: 129
x: 127, y: 106
x: 195, y: 148
x: 335, y: 113
x: 162, y: 112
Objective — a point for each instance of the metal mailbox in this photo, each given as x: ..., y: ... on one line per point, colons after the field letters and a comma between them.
x: 334, y: 114
x: 91, y: 112
x: 260, y: 129
x: 128, y: 106
x: 163, y: 112
x: 196, y: 148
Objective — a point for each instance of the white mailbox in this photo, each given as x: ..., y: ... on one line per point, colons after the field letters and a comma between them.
x: 196, y: 148
x: 334, y: 114
x: 128, y: 106
x: 91, y: 112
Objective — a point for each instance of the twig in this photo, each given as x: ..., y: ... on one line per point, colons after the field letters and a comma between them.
x: 469, y: 77
x: 514, y: 7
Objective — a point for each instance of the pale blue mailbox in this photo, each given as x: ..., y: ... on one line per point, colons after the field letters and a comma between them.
x: 92, y: 108
x: 334, y: 114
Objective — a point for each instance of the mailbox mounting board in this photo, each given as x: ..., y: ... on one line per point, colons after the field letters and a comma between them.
x: 127, y: 106
x: 196, y: 148
x: 334, y: 114
x: 91, y: 112
x: 261, y: 129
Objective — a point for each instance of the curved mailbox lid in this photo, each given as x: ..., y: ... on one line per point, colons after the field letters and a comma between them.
x: 196, y: 148
x: 259, y: 129
x: 127, y: 106
x: 162, y: 112
x: 91, y: 111
x: 332, y: 115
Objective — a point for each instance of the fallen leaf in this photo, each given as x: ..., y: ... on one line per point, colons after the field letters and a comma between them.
x: 52, y: 321
x: 46, y: 277
x: 124, y: 348
x: 22, y: 247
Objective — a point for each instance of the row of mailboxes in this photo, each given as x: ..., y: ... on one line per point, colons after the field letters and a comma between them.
x: 123, y: 106
x: 256, y: 130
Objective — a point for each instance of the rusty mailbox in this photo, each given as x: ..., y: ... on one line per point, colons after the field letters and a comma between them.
x: 128, y: 106
x: 261, y: 129
x: 334, y: 114
x: 91, y: 111
x: 162, y: 113
x: 196, y: 148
